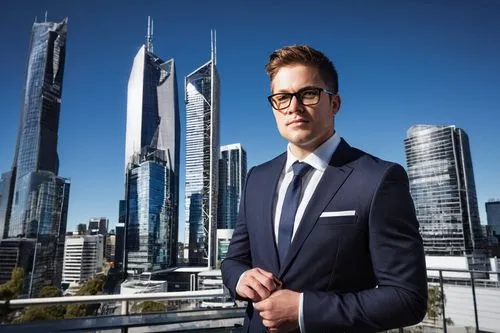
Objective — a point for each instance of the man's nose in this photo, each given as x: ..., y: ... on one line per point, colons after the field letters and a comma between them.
x: 295, y: 105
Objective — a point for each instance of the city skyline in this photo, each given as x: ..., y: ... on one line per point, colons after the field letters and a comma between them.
x: 391, y: 78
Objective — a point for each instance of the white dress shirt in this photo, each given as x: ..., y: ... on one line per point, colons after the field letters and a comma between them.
x: 319, y: 160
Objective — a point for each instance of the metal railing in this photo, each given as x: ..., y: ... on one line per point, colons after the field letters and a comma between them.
x: 472, y: 303
x: 187, y: 320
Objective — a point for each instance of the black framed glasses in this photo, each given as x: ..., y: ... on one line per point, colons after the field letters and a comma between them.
x: 307, y: 96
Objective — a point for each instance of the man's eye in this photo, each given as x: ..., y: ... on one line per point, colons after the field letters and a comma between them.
x: 282, y: 98
x: 308, y: 94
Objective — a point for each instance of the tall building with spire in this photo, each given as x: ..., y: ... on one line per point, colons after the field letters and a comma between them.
x: 151, y: 162
x: 442, y: 186
x: 202, y: 162
x: 34, y: 199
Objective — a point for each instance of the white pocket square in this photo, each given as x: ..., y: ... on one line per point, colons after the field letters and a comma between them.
x: 338, y: 213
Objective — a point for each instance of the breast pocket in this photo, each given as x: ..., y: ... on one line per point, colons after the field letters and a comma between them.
x: 337, y: 220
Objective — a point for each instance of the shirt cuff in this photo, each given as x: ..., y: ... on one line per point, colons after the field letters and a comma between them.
x: 301, y: 313
x: 238, y: 283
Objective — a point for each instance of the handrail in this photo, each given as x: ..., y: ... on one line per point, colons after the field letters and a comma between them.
x: 175, y: 295
x: 177, y: 320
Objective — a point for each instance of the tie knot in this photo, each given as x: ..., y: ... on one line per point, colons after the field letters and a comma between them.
x: 300, y: 168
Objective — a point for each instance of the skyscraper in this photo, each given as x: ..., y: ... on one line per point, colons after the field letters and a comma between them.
x: 202, y: 162
x: 6, y: 194
x: 34, y: 199
x: 82, y: 258
x: 151, y: 162
x: 443, y: 189
x: 98, y: 225
x: 232, y: 174
x: 493, y: 216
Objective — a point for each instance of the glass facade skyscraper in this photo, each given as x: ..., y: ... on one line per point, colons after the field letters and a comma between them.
x: 6, y: 194
x: 149, y: 233
x: 493, y: 216
x: 151, y: 163
x: 34, y: 199
x: 202, y: 162
x: 232, y: 175
x: 443, y: 189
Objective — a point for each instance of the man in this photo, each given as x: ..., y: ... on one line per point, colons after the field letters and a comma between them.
x: 327, y: 239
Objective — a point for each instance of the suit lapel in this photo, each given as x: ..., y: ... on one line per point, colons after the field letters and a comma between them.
x: 268, y: 237
x: 334, y: 176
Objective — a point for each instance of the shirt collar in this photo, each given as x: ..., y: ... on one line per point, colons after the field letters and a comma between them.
x: 319, y: 158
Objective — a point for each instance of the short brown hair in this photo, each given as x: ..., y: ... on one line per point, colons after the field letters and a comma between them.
x: 307, y: 56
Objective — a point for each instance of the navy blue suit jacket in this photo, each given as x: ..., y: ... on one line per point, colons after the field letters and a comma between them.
x: 361, y: 273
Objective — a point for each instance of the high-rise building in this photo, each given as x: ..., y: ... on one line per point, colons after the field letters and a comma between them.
x: 81, y: 229
x: 34, y: 199
x: 151, y: 162
x: 6, y: 195
x: 223, y: 239
x: 202, y: 162
x: 16, y: 252
x: 232, y: 174
x: 82, y: 258
x: 493, y: 216
x: 119, y: 246
x: 443, y: 189
x: 110, y: 246
x: 98, y: 226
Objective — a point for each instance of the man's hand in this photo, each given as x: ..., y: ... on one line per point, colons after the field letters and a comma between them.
x: 257, y: 284
x: 280, y: 311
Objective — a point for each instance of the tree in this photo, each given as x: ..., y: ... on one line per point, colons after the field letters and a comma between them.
x: 10, y: 290
x: 435, y: 302
x: 14, y: 286
x: 44, y: 312
x: 91, y: 287
x: 149, y: 306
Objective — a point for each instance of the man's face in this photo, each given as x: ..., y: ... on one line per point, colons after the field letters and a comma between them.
x: 304, y: 127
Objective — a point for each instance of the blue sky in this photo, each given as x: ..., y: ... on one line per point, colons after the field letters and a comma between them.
x: 400, y: 62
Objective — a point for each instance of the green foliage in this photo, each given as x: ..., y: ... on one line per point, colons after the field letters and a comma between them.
x: 10, y: 290
x: 49, y: 291
x: 44, y: 312
x: 91, y: 287
x: 434, y: 303
x: 149, y: 306
x: 14, y: 286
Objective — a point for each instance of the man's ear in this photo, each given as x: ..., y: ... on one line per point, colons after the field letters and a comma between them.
x: 336, y: 102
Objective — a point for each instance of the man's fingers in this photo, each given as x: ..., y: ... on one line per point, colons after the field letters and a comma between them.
x: 261, y: 290
x: 246, y: 291
x: 271, y: 325
x: 265, y: 273
x: 266, y: 281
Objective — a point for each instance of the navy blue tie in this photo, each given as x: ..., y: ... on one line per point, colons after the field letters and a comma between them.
x: 289, y: 209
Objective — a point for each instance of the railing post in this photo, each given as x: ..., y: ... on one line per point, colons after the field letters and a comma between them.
x: 125, y: 313
x: 445, y: 329
x: 474, y: 299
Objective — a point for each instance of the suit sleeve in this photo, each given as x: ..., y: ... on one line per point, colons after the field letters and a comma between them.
x: 238, y: 258
x: 396, y: 250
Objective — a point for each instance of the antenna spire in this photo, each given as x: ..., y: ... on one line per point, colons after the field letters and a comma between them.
x: 213, y: 45
x: 149, y: 38
x: 45, y: 16
x: 152, y: 34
